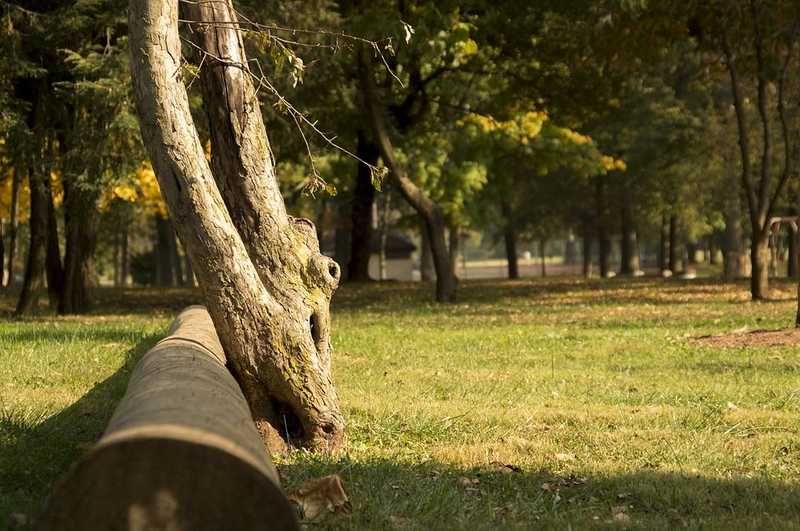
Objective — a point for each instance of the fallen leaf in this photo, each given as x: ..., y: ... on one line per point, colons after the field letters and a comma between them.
x: 317, y: 496
x: 466, y: 482
x: 503, y: 468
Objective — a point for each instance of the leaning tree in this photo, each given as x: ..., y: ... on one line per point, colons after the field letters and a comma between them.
x: 265, y: 282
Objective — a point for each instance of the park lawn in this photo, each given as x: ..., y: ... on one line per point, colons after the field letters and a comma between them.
x: 548, y: 403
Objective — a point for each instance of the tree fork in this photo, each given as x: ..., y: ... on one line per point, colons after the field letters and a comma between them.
x: 265, y: 282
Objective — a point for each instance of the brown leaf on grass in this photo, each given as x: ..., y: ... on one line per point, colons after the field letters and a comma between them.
x: 467, y: 482
x: 503, y: 468
x: 322, y: 495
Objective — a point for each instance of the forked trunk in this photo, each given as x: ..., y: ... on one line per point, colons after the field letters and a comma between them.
x: 428, y: 210
x: 264, y: 280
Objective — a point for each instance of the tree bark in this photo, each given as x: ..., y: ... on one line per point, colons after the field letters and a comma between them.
x: 454, y: 245
x: 33, y: 282
x: 629, y: 244
x: 361, y: 211
x: 586, y: 243
x: 265, y: 282
x: 2, y: 252
x: 759, y: 276
x: 791, y: 265
x: 604, y: 242
x: 510, y: 238
x: 55, y: 269
x: 426, y: 270
x: 124, y: 257
x: 543, y: 256
x: 428, y: 210
x: 80, y: 225
x: 12, y: 226
x: 163, y: 253
x: 673, y: 243
x: 663, y: 244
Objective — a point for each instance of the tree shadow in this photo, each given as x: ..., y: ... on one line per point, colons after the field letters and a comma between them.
x: 34, y: 455
x: 386, y: 494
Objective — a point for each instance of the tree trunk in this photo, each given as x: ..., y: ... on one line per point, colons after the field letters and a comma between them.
x: 55, y: 269
x: 426, y: 270
x: 629, y: 245
x: 673, y: 243
x: 604, y: 247
x: 80, y: 224
x: 543, y: 256
x: 265, y: 282
x: 586, y: 242
x: 510, y: 237
x: 163, y: 254
x: 759, y: 259
x: 454, y: 244
x: 663, y: 244
x: 429, y: 211
x: 177, y: 264
x: 361, y: 211
x: 791, y: 265
x: 342, y: 233
x: 2, y: 252
x: 33, y: 282
x: 124, y: 257
x: 183, y: 418
x: 12, y: 227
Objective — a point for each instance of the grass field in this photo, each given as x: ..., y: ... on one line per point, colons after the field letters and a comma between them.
x: 554, y: 403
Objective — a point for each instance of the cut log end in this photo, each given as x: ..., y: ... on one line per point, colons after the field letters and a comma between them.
x: 193, y: 486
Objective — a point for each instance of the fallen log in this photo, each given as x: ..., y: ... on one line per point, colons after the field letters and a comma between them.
x: 181, y: 451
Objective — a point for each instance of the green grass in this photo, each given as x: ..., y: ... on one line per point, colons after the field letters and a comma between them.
x: 593, y: 391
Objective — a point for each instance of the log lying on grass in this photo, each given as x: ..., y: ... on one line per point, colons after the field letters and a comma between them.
x: 180, y: 452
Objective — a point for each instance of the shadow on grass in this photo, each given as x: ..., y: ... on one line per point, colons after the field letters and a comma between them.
x: 34, y: 455
x: 432, y: 495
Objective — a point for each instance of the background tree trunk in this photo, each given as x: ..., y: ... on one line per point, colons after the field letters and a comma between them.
x: 163, y: 254
x: 426, y: 270
x: 663, y: 244
x: 791, y: 265
x: 125, y: 257
x: 586, y: 243
x: 80, y: 222
x: 454, y: 244
x: 2, y: 251
x: 12, y: 226
x: 510, y: 238
x: 361, y: 212
x: 673, y: 243
x: 543, y: 256
x: 759, y: 258
x: 629, y: 244
x: 33, y: 282
x: 55, y: 268
x: 429, y: 211
x: 265, y: 282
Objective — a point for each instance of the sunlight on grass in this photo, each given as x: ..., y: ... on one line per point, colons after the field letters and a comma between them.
x: 592, y: 393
